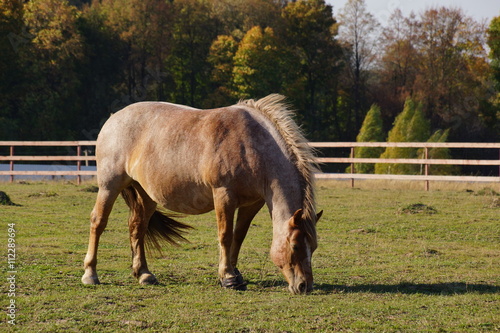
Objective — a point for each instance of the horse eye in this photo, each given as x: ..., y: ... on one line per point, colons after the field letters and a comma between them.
x: 295, y: 247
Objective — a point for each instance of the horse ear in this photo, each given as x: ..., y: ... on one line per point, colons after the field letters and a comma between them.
x: 318, y: 216
x: 296, y: 218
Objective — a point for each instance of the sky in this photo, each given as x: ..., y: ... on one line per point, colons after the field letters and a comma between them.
x: 479, y: 9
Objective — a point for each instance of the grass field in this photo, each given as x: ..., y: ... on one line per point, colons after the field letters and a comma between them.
x: 389, y: 260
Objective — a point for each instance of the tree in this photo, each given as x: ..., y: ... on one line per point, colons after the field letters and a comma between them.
x: 51, y: 99
x: 494, y: 45
x: 144, y: 28
x: 221, y: 58
x: 398, y: 63
x: 258, y: 64
x: 194, y: 29
x: 409, y: 126
x: 491, y: 114
x: 453, y: 63
x: 311, y: 80
x: 12, y: 36
x: 236, y: 17
x: 371, y: 131
x: 439, y: 59
x: 358, y: 35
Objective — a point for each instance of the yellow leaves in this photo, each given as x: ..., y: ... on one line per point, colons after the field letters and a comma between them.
x: 53, y: 25
x: 254, y: 62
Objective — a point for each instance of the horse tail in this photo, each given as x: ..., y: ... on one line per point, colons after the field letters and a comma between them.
x: 161, y: 227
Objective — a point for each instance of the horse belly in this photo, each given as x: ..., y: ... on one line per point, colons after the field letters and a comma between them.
x: 186, y: 199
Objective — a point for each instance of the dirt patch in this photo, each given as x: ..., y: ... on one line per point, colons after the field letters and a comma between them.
x: 5, y: 200
x: 487, y: 192
x: 90, y: 189
x: 418, y: 208
x: 44, y: 194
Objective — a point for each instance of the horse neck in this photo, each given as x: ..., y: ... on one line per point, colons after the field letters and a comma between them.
x: 285, y: 200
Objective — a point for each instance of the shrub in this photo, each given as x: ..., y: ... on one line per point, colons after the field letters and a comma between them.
x: 409, y: 126
x: 371, y: 131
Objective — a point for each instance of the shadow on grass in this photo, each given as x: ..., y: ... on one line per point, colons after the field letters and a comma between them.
x: 451, y: 288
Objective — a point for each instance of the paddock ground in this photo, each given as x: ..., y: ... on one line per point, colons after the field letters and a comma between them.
x: 391, y: 258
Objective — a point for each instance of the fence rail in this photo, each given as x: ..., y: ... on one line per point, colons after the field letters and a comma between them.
x: 11, y: 158
x: 425, y: 162
x: 79, y: 158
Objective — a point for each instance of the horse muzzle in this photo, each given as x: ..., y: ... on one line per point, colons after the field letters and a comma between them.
x: 299, y: 284
x: 300, y: 287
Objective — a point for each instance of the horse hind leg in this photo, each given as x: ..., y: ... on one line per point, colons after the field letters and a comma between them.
x: 225, y: 208
x: 142, y: 208
x: 98, y: 221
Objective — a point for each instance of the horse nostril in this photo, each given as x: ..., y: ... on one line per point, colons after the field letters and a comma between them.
x: 302, y: 287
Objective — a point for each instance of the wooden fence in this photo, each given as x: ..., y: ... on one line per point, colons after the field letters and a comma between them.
x: 425, y: 162
x: 70, y: 160
x: 77, y: 160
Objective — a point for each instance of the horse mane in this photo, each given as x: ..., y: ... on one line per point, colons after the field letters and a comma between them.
x: 274, y: 108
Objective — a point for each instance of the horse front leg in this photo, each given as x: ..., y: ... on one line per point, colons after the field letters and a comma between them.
x: 245, y: 217
x: 98, y: 221
x: 225, y: 208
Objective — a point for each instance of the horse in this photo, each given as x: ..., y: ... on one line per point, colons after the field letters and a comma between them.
x: 168, y: 157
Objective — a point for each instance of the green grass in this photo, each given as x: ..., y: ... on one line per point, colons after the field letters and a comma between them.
x: 377, y: 268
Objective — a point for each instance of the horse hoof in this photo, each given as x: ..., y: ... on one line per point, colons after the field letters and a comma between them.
x: 231, y: 283
x: 90, y: 280
x: 235, y: 283
x: 148, y: 279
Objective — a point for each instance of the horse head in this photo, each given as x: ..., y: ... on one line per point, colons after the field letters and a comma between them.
x: 293, y: 254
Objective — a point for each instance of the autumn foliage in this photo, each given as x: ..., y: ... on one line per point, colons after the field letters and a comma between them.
x: 66, y: 65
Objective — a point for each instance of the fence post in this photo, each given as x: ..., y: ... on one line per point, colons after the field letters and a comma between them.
x: 11, y: 164
x: 426, y: 167
x: 78, y: 164
x: 352, y: 167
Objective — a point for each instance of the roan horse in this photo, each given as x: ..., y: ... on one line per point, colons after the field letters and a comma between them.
x: 192, y: 161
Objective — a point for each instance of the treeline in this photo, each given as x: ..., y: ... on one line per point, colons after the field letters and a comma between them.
x: 66, y: 65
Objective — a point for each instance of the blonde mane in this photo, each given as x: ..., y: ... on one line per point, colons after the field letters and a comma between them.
x: 274, y: 108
